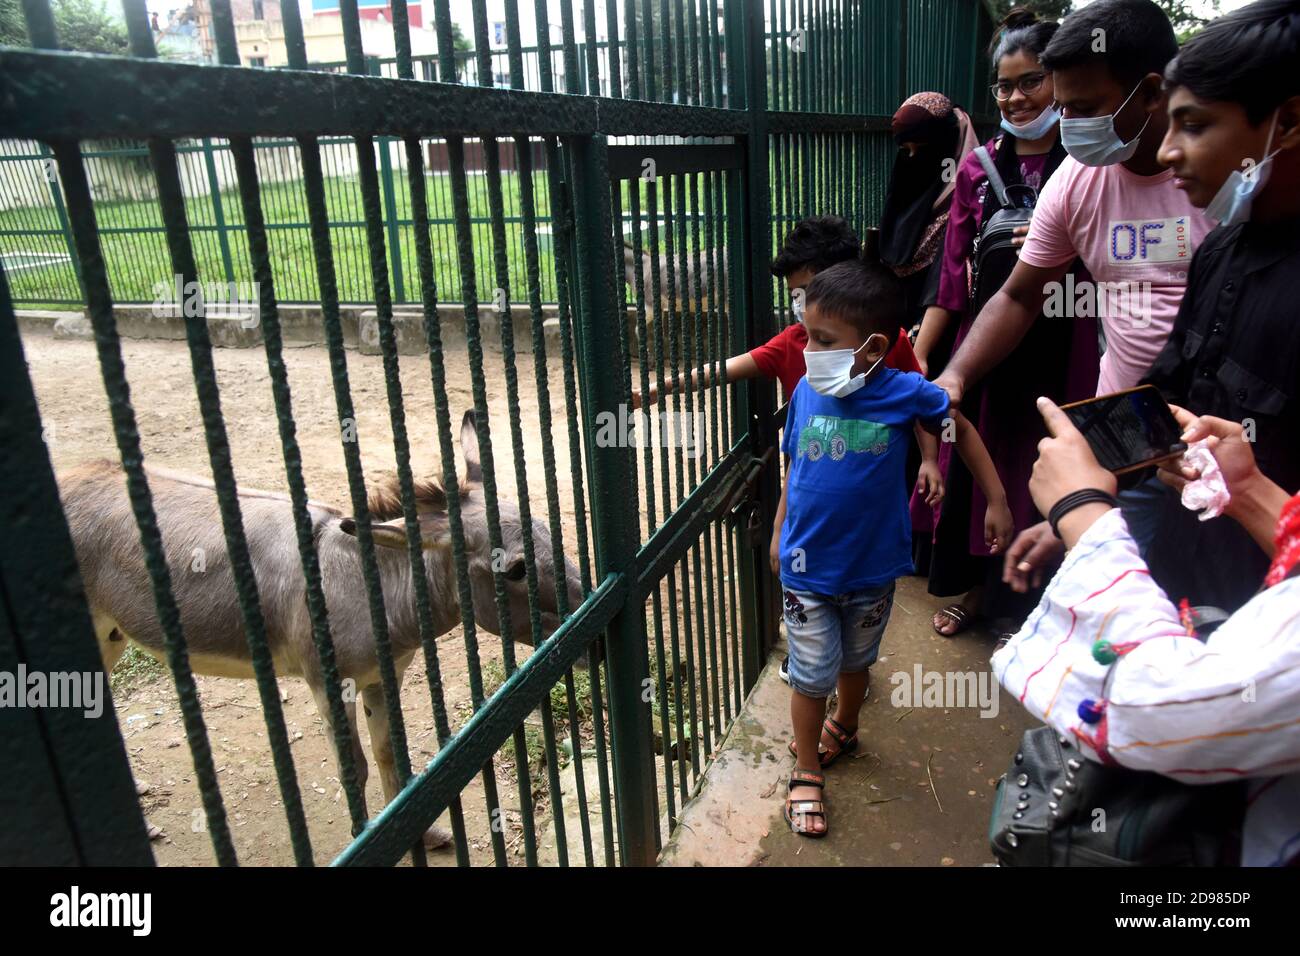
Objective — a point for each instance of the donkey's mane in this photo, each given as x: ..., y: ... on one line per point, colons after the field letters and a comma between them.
x: 385, y: 498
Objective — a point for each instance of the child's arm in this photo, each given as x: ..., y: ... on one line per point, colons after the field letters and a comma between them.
x: 929, y: 480
x: 774, y: 552
x: 998, y: 524
x: 738, y: 367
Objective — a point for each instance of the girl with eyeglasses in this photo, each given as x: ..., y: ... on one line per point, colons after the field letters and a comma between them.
x: 1056, y: 358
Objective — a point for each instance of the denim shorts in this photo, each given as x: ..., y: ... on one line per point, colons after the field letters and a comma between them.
x: 833, y: 634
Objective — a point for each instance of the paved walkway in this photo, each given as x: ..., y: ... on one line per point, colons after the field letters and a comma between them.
x: 882, y: 806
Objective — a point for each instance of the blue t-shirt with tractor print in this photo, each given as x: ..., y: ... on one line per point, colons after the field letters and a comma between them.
x: 846, y: 518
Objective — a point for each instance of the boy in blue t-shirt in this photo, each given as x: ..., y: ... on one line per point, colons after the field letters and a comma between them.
x: 842, y: 531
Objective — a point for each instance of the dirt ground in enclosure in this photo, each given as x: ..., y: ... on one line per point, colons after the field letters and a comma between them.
x: 74, y: 410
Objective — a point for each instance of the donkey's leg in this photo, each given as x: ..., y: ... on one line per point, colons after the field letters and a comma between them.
x: 358, y: 755
x: 381, y: 745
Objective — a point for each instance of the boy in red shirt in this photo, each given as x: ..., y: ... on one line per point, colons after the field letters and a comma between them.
x: 814, y: 244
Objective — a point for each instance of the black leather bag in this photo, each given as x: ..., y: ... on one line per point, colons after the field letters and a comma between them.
x: 1056, y: 808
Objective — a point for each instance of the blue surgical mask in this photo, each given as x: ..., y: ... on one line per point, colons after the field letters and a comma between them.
x: 1036, y: 128
x: 830, y: 372
x: 1092, y: 140
x: 1232, y: 203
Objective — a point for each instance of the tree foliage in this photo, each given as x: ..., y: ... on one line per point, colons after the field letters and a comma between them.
x: 1046, y: 9
x: 82, y: 25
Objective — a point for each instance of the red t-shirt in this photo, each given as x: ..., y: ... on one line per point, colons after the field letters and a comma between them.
x: 781, y: 356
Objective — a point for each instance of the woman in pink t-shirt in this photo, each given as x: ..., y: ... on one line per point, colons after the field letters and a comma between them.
x: 1057, y: 359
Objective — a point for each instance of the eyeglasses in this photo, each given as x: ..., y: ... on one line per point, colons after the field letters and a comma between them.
x: 1029, y: 84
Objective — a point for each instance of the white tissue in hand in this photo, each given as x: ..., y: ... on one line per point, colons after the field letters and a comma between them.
x: 1208, y: 494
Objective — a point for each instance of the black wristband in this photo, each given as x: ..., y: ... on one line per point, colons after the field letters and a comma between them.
x: 1074, y: 500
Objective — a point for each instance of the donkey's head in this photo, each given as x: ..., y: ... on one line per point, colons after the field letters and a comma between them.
x: 484, y: 564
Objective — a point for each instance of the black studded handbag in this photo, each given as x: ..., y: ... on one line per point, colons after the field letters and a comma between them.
x: 1056, y: 808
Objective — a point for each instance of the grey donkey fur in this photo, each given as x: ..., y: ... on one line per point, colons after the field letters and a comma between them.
x: 120, y: 594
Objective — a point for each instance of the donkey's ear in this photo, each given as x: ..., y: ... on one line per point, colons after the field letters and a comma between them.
x: 469, y: 446
x: 435, y: 532
x: 385, y: 534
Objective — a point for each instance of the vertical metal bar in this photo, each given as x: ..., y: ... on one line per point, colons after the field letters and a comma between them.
x: 370, y: 198
x: 563, y: 226
x: 546, y: 69
x: 715, y: 52
x: 384, y: 143
x: 673, y: 747
x: 433, y: 339
x: 694, y: 41
x: 707, y: 662
x: 759, y: 596
x: 214, y: 191
x: 402, y: 47
x: 717, y: 394
x: 99, y: 307
x: 683, y: 90
x: 626, y: 655
x: 592, y: 51
x: 249, y: 188
x: 68, y: 796
x: 524, y: 153
x: 647, y: 15
x: 633, y: 55
x: 492, y: 160
x: 172, y: 202
x: 572, y: 78
x: 643, y: 362
x: 612, y: 57
x: 61, y: 212
x: 903, y: 13
x: 469, y: 296
x: 674, y: 215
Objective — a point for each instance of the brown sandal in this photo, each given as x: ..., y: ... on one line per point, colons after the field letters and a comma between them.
x: 847, y: 740
x: 804, y: 809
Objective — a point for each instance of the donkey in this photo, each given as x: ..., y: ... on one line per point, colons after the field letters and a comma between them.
x: 698, y: 271
x: 120, y: 595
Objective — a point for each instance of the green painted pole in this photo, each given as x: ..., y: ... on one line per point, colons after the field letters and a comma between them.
x: 613, y: 471
x: 218, y: 214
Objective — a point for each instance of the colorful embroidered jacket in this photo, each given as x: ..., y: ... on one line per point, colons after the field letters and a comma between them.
x: 1201, y: 712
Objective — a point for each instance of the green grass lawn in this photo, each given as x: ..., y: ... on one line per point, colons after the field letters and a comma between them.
x: 135, y: 252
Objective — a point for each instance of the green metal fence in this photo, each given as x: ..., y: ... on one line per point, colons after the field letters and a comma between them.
x: 719, y: 132
x: 36, y: 242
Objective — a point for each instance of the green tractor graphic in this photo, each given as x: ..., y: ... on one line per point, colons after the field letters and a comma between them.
x: 838, y: 436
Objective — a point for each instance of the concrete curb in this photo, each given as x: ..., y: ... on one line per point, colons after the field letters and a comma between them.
x: 302, y: 325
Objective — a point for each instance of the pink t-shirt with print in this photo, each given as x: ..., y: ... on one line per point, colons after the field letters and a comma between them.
x: 1136, y: 234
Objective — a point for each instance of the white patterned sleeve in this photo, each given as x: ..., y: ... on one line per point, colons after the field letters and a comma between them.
x: 1105, y: 660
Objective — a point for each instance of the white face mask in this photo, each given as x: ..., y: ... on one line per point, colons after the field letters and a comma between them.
x: 1037, y: 127
x: 1231, y: 204
x: 830, y: 372
x: 1093, y: 141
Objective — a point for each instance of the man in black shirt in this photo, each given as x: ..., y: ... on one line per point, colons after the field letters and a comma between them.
x: 1234, y: 352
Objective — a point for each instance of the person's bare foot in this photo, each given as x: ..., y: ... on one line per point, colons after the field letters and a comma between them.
x: 955, y: 618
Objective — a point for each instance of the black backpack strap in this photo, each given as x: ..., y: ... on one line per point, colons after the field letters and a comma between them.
x: 996, y: 184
